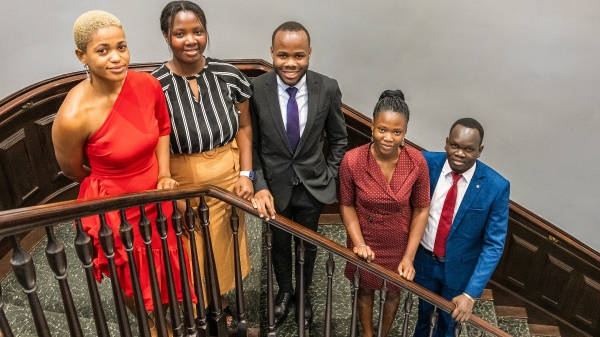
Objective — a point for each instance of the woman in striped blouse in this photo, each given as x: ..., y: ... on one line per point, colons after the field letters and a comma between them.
x: 211, y: 138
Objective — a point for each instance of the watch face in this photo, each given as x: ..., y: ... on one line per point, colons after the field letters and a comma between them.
x: 251, y: 175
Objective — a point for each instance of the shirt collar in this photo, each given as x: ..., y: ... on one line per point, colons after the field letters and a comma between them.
x: 300, y: 85
x: 468, y: 174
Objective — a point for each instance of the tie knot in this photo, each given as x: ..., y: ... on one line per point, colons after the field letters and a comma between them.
x: 456, y: 177
x: 292, y: 91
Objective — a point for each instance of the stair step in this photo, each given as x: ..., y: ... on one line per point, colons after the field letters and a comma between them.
x: 487, y: 295
x: 513, y: 320
x: 538, y: 330
x: 511, y: 312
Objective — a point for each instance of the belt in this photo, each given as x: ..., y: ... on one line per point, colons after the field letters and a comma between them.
x: 211, y: 153
x: 428, y: 252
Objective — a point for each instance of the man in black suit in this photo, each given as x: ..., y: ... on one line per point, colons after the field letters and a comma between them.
x: 292, y: 111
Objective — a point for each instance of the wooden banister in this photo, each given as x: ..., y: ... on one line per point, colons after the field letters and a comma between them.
x: 13, y: 222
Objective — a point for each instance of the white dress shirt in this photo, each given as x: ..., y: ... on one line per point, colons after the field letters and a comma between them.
x: 439, y: 196
x: 301, y: 99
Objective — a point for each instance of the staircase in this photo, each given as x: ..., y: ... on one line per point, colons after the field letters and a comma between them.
x: 513, y: 320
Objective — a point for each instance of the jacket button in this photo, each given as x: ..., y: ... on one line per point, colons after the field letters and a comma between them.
x: 370, y: 219
x: 289, y: 183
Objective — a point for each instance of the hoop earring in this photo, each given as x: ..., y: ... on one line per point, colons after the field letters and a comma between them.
x: 87, y: 72
x: 371, y: 137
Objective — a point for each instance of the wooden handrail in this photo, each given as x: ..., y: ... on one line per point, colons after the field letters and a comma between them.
x: 15, y: 221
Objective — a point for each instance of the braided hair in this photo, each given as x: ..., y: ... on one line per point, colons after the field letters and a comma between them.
x: 392, y: 100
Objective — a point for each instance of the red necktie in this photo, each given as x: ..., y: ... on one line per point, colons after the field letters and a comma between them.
x: 439, y: 249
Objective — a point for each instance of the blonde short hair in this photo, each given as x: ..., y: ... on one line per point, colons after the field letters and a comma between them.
x: 89, y: 23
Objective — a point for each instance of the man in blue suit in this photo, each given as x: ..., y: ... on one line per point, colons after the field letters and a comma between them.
x: 466, y: 229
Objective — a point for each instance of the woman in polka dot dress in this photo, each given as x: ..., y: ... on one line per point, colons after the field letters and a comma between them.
x: 384, y: 203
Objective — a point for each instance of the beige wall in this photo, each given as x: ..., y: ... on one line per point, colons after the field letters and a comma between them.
x: 528, y: 70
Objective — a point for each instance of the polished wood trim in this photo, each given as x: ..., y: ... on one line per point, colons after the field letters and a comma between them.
x: 16, y: 221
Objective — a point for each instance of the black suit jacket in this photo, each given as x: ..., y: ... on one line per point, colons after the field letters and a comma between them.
x: 273, y: 161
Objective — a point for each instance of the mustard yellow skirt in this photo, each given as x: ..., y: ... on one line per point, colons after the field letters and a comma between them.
x: 218, y: 167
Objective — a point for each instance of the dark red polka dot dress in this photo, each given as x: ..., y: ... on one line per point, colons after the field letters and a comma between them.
x: 384, y: 210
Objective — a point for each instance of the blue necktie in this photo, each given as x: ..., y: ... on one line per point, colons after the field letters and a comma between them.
x: 293, y: 119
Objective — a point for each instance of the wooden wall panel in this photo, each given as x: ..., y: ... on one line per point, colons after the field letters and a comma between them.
x: 586, y: 304
x: 559, y: 273
x: 520, y: 256
x: 18, y: 168
x: 43, y: 128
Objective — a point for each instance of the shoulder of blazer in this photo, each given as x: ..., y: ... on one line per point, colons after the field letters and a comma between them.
x: 328, y: 82
x: 262, y: 80
x: 434, y: 158
x: 490, y: 174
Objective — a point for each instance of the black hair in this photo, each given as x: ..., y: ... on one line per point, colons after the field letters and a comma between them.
x: 470, y: 123
x: 291, y: 26
x: 167, y: 16
x: 392, y: 100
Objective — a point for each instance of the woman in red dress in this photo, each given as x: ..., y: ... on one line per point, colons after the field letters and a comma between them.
x: 118, y: 120
x: 384, y: 204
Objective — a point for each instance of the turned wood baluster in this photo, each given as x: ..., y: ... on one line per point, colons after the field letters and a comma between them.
x: 408, y: 303
x: 188, y: 311
x: 159, y: 313
x: 433, y: 319
x: 330, y: 267
x: 107, y: 241
x: 161, y: 227
x: 300, y: 304
x: 270, y: 300
x: 190, y: 217
x: 218, y: 319
x: 24, y: 271
x: 57, y: 259
x: 84, y: 248
x: 382, y: 298
x: 457, y: 329
x: 5, y: 329
x: 126, y: 234
x: 242, y: 326
x: 354, y: 320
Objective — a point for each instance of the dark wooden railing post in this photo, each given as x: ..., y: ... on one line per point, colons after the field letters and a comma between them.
x: 5, y: 329
x: 161, y: 227
x: 457, y: 329
x: 57, y: 259
x: 84, y: 248
x: 190, y: 217
x: 270, y: 300
x: 300, y: 304
x: 242, y: 326
x: 126, y: 234
x: 107, y: 241
x: 330, y: 268
x: 218, y: 319
x: 24, y: 271
x: 382, y: 299
x: 408, y: 303
x: 188, y: 310
x: 355, y: 286
x: 159, y: 313
x: 433, y: 319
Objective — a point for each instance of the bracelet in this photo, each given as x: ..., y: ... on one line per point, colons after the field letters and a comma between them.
x: 362, y: 245
x: 162, y: 177
x: 469, y: 297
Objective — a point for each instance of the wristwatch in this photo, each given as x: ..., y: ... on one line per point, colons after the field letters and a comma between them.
x: 249, y: 174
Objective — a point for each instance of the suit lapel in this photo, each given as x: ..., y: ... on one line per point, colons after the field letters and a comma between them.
x: 314, y: 90
x: 275, y: 109
x: 435, y: 169
x: 475, y: 186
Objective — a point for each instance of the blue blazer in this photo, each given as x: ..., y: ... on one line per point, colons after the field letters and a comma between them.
x: 476, y: 239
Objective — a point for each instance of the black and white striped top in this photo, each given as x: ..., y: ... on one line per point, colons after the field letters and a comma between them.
x: 212, y: 120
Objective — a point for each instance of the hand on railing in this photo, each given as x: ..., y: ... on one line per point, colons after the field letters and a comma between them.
x: 264, y: 204
x: 243, y: 188
x: 363, y: 251
x: 406, y: 269
x: 166, y: 183
x: 464, y: 306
